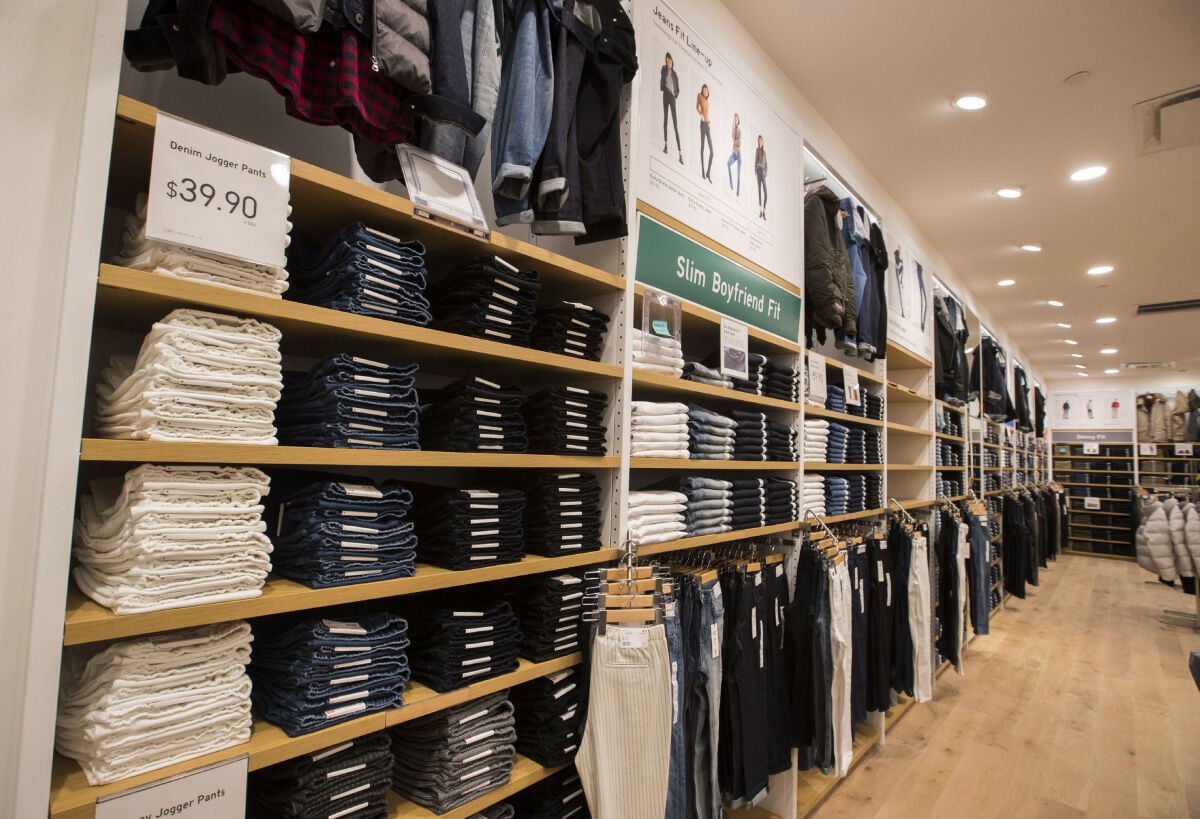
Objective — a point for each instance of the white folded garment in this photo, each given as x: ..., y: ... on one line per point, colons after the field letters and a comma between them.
x: 660, y: 453
x: 644, y: 436
x: 816, y: 423
x: 652, y: 496
x: 658, y: 368
x: 659, y: 360
x: 643, y: 408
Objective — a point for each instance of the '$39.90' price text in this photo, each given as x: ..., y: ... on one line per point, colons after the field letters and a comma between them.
x: 188, y: 190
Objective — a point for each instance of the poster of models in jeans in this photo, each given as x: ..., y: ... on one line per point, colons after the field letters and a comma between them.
x: 909, y: 288
x: 1090, y: 409
x: 714, y: 155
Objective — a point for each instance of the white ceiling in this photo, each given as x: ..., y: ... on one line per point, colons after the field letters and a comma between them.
x: 883, y: 75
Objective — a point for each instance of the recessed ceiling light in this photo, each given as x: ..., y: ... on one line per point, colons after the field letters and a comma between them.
x: 970, y: 102
x: 1063, y: 325
x: 1111, y: 372
x: 1080, y: 366
x: 1013, y: 192
x: 1100, y: 270
x: 1082, y: 375
x: 1106, y: 319
x: 1089, y: 173
x: 1054, y: 303
x: 1076, y: 355
x: 1109, y: 351
x: 1032, y: 248
x: 1006, y: 282
x: 1070, y: 341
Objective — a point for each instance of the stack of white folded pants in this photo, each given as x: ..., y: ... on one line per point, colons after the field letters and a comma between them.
x: 656, y: 517
x: 140, y: 705
x: 658, y: 354
x: 164, y: 537
x: 141, y: 253
x: 198, y: 377
x: 816, y: 439
x: 814, y: 494
x: 659, y: 430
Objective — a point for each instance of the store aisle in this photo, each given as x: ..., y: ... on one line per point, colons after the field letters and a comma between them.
x: 1078, y: 704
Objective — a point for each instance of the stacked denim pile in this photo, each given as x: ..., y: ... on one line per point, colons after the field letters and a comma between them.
x: 567, y: 421
x: 487, y: 298
x: 335, y: 533
x: 816, y: 440
x: 874, y: 490
x: 364, y: 271
x: 835, y: 398
x: 549, y: 713
x: 856, y: 498
x: 350, y: 402
x: 656, y: 354
x: 870, y: 406
x: 503, y: 810
x: 764, y: 502
x: 837, y: 495
x: 948, y: 487
x: 784, y: 383
x: 814, y: 493
x: 474, y: 415
x: 874, y: 446
x: 550, y: 610
x: 347, y: 780
x: 659, y: 430
x: 447, y: 759
x: 949, y: 455
x: 143, y: 704
x: 562, y: 513
x: 311, y: 674
x: 141, y: 253
x: 755, y: 380
x: 758, y: 438
x: 557, y: 797
x: 455, y: 647
x: 468, y: 528
x: 694, y: 371
x: 163, y: 537
x: 709, y: 509
x: 656, y: 516
x: 570, y: 328
x: 839, y: 441
x: 856, y: 446
x: 710, y: 435
x: 197, y: 377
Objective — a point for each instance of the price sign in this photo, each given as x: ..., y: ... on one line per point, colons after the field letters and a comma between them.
x: 1091, y: 503
x: 817, y: 388
x: 1184, y: 450
x: 213, y: 792
x: 1091, y: 449
x: 850, y: 383
x: 1147, y: 449
x: 212, y: 192
x: 735, y: 349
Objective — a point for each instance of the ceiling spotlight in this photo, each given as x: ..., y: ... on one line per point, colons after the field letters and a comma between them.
x: 1010, y: 193
x: 1111, y: 372
x: 1006, y: 282
x: 1082, y: 375
x: 1070, y: 341
x: 1089, y: 173
x: 1100, y: 270
x: 1063, y: 325
x: 1109, y: 351
x: 1080, y: 366
x: 1076, y: 355
x: 1106, y: 319
x: 970, y: 102
x: 1032, y: 248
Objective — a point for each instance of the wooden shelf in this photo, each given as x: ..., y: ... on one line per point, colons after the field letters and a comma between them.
x: 133, y: 300
x: 697, y: 319
x: 706, y: 465
x: 899, y: 394
x: 1105, y: 555
x: 680, y: 386
x: 841, y: 417
x: 1060, y: 469
x: 323, y: 202
x: 89, y: 622
x: 820, y: 466
x: 901, y: 358
x: 1098, y: 485
x: 863, y: 375
x: 724, y: 537
x: 909, y: 467
x: 950, y: 468
x: 945, y: 436
x: 990, y: 445
x: 1098, y: 540
x: 525, y: 773
x: 951, y: 407
x: 122, y: 451
x: 924, y: 504
x: 1096, y: 512
x: 995, y: 585
x: 905, y: 429
x: 71, y: 797
x: 829, y: 520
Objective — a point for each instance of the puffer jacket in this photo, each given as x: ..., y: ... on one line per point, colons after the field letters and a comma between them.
x: 1175, y: 525
x: 1191, y: 533
x: 1179, y: 416
x: 1143, y: 417
x: 1154, y: 553
x: 1154, y: 423
x: 1192, y: 431
x: 828, y: 280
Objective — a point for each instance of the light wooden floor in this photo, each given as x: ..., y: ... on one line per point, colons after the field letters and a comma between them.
x: 1079, y: 703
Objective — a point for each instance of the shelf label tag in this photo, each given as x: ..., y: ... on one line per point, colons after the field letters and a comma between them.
x: 213, y: 792
x: 817, y: 388
x: 1091, y: 449
x: 850, y: 383
x: 1147, y: 449
x: 735, y: 349
x: 443, y: 192
x: 215, y: 193
x: 1184, y: 450
x: 1091, y: 503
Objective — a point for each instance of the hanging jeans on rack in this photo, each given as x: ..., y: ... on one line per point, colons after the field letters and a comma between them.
x: 704, y: 618
x: 979, y: 570
x: 858, y: 561
x: 677, y: 779
x: 841, y: 642
x: 918, y: 619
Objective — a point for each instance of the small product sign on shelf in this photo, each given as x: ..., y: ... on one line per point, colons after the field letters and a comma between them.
x: 1091, y: 449
x: 735, y: 349
x: 1148, y: 449
x: 215, y: 193
x: 850, y: 383
x: 216, y: 791
x: 1183, y: 450
x: 818, y: 390
x: 1091, y: 503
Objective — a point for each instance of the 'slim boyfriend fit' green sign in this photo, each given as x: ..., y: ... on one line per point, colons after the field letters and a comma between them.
x: 670, y: 261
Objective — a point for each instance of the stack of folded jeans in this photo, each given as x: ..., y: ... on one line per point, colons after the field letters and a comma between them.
x: 311, y: 674
x: 467, y: 528
x: 875, y: 490
x: 502, y: 810
x: 872, y: 405
x: 755, y: 380
x: 710, y: 435
x: 784, y: 383
x: 453, y: 647
x: 336, y: 533
x: 548, y: 716
x: 856, y: 497
x: 550, y: 610
x: 350, y: 779
x: 143, y: 704
x: 835, y: 398
x: 816, y: 440
x: 140, y: 253
x: 557, y: 797
x: 566, y: 421
x: 947, y: 487
x: 163, y: 537
x: 782, y: 442
x: 814, y: 493
x: 659, y: 430
x: 656, y: 354
x: 562, y: 513
x: 709, y: 504
x: 782, y: 501
x: 750, y: 435
x: 487, y: 298
x: 570, y: 328
x: 474, y: 415
x: 856, y: 446
x: 656, y: 516
x: 837, y: 495
x: 874, y: 447
x: 350, y: 402
x: 839, y: 441
x: 197, y: 377
x: 447, y: 759
x: 764, y: 502
x: 361, y: 270
x: 694, y: 371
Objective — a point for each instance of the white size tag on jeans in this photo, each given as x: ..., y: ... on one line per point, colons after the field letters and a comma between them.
x: 879, y: 571
x: 340, y: 627
x: 717, y: 592
x: 889, y: 591
x: 758, y: 578
x: 754, y: 623
x: 633, y: 638
x: 359, y: 490
x: 715, y: 636
x: 762, y: 657
x: 674, y: 692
